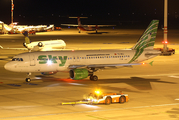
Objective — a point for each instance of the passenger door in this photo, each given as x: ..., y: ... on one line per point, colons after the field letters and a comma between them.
x: 32, y: 60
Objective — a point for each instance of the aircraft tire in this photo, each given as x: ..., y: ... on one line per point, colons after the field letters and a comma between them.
x: 91, y: 77
x: 95, y: 78
x: 27, y: 79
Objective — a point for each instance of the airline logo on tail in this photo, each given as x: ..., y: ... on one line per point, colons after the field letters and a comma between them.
x: 147, y: 40
x: 27, y: 40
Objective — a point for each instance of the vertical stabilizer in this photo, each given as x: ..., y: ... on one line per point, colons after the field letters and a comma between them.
x: 79, y: 22
x: 27, y: 40
x: 147, y: 39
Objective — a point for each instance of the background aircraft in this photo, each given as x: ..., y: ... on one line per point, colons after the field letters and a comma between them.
x: 13, y: 28
x: 83, y: 63
x: 50, y: 45
x: 81, y: 27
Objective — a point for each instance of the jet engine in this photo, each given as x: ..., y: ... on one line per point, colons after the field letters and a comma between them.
x: 48, y: 73
x: 24, y: 44
x: 40, y: 44
x: 78, y: 74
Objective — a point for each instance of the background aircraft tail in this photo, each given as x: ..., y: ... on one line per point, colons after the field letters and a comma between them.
x: 147, y: 39
x: 27, y: 40
x: 79, y: 22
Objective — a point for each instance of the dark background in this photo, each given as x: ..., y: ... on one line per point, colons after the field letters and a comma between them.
x: 119, y: 12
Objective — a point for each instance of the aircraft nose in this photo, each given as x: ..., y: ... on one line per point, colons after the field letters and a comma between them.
x: 7, y: 66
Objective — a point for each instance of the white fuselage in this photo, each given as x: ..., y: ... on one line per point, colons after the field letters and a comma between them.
x: 46, y: 45
x: 61, y: 60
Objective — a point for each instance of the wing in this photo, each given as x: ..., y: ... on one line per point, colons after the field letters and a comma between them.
x: 104, y: 65
x: 99, y: 25
x: 24, y: 49
x: 70, y: 25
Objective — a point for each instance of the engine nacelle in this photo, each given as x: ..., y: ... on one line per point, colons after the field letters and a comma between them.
x: 48, y: 73
x: 78, y: 74
x: 40, y: 44
x: 24, y: 44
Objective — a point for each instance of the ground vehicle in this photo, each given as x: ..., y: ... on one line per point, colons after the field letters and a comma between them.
x: 32, y: 32
x: 101, y: 98
x: 107, y: 98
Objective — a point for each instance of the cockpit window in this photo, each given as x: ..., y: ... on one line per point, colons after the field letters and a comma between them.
x: 17, y: 59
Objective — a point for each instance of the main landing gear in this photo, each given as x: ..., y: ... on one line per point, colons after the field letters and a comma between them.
x: 96, y: 30
x: 93, y: 77
x: 28, y: 78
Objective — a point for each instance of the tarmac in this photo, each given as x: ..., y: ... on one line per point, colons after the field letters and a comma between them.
x: 153, y: 90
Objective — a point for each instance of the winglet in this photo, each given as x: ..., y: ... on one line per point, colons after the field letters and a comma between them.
x: 151, y: 63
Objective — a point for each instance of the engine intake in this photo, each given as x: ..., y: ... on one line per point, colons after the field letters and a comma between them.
x: 24, y: 44
x: 40, y: 44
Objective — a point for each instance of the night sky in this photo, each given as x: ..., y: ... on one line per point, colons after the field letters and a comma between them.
x: 98, y: 11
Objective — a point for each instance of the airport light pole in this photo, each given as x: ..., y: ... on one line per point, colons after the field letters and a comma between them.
x: 165, y: 49
x: 12, y: 8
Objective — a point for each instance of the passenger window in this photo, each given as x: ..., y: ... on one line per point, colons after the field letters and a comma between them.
x: 21, y: 59
x: 14, y: 59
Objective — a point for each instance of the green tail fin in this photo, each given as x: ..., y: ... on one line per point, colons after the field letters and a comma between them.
x: 147, y: 40
x: 27, y: 40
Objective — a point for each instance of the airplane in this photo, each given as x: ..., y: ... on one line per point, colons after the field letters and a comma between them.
x: 13, y: 28
x: 81, y: 27
x: 83, y: 63
x: 40, y: 45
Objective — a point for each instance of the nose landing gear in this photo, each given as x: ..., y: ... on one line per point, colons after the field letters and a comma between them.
x: 28, y: 78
